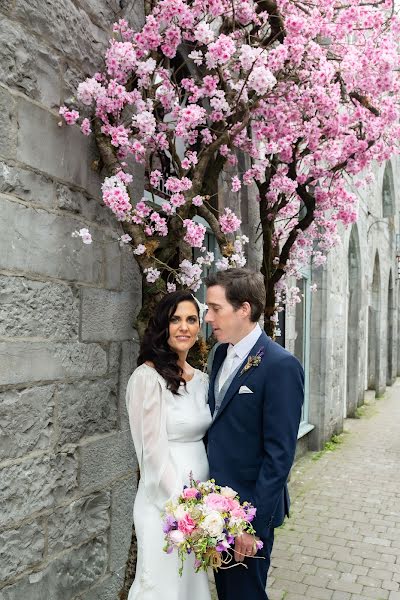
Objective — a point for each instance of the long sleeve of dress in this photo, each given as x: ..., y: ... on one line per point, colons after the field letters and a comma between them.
x: 145, y: 399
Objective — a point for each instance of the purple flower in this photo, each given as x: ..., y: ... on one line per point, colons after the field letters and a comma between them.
x: 251, y: 513
x: 259, y: 544
x: 169, y: 524
x: 170, y: 549
x: 220, y: 548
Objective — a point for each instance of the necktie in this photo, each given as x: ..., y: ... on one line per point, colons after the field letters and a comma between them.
x: 227, y: 366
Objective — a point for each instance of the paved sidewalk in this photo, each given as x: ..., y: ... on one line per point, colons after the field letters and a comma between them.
x: 343, y: 539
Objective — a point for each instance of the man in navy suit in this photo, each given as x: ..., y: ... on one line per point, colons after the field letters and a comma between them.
x: 256, y: 394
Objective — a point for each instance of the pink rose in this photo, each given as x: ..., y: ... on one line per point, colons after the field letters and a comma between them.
x: 218, y: 502
x: 239, y: 513
x: 190, y: 493
x: 186, y: 525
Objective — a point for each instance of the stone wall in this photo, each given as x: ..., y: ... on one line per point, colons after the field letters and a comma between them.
x: 354, y: 345
x: 67, y: 467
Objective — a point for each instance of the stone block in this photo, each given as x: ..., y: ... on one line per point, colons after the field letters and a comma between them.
x: 114, y: 357
x: 56, y: 21
x: 35, y: 484
x: 37, y: 241
x: 6, y: 6
x: 37, y: 309
x: 28, y: 65
x: 20, y: 549
x: 61, y: 152
x: 128, y: 364
x: 8, y: 124
x: 22, y: 362
x: 26, y: 185
x: 26, y: 421
x: 103, y: 14
x: 86, y: 408
x: 107, y: 589
x: 64, y: 577
x: 131, y: 278
x: 106, y: 459
x: 134, y: 13
x: 107, y: 316
x: 82, y: 520
x: 123, y: 496
x: 90, y: 208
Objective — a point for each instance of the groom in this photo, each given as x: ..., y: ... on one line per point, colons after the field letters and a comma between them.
x: 256, y: 394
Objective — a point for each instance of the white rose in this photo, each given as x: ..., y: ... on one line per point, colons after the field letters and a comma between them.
x: 213, y: 523
x: 179, y: 512
x: 176, y: 537
x: 228, y: 492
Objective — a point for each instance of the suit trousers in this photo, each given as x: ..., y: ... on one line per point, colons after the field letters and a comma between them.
x: 239, y: 583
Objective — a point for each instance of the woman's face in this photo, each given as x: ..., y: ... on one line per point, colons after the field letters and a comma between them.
x: 184, y: 326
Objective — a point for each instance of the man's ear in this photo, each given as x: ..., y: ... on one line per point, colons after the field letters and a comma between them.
x: 246, y: 309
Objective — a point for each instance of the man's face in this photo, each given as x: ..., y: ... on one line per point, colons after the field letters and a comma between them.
x: 227, y: 323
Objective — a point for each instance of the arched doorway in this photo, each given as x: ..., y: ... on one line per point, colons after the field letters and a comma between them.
x: 353, y: 325
x: 390, y: 371
x: 374, y: 311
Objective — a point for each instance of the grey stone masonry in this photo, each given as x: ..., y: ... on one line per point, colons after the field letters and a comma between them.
x: 342, y: 541
x: 67, y: 311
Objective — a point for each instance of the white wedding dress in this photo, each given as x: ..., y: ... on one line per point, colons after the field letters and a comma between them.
x: 167, y: 432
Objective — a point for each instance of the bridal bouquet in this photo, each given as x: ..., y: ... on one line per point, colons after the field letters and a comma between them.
x: 205, y: 519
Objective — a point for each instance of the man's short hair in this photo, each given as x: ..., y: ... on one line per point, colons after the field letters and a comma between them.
x: 241, y: 285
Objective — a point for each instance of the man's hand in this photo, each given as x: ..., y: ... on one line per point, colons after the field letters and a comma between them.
x: 245, y: 545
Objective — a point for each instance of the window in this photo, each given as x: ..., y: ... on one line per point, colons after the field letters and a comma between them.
x: 388, y: 192
x: 302, y: 333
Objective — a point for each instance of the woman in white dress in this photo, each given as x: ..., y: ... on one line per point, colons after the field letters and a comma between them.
x: 169, y: 416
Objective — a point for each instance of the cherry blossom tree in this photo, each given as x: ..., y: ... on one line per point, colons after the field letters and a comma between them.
x: 306, y: 90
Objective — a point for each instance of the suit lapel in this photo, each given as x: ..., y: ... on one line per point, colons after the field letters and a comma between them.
x: 219, y: 358
x: 239, y: 380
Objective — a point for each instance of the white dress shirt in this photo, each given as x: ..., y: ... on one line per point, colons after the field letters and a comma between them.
x: 237, y: 353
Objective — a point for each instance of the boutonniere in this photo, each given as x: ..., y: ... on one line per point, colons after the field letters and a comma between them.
x: 253, y: 361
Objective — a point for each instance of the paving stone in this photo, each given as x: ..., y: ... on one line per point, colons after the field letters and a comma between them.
x: 345, y: 519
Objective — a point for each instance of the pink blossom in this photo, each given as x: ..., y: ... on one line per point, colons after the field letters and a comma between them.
x: 125, y: 238
x: 116, y: 197
x: 152, y: 274
x: 155, y: 177
x: 197, y: 200
x: 140, y: 249
x: 85, y: 127
x: 229, y: 222
x: 70, y: 116
x: 236, y: 184
x: 195, y: 233
x: 84, y: 234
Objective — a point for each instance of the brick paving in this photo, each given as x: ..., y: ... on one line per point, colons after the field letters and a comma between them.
x: 342, y: 541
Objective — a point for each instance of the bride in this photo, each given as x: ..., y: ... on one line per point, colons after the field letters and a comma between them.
x: 169, y: 416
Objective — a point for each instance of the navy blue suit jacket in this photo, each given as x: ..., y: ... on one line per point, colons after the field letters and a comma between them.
x: 252, y: 441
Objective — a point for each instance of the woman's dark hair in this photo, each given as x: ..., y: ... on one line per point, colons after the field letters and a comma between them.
x: 154, y: 346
